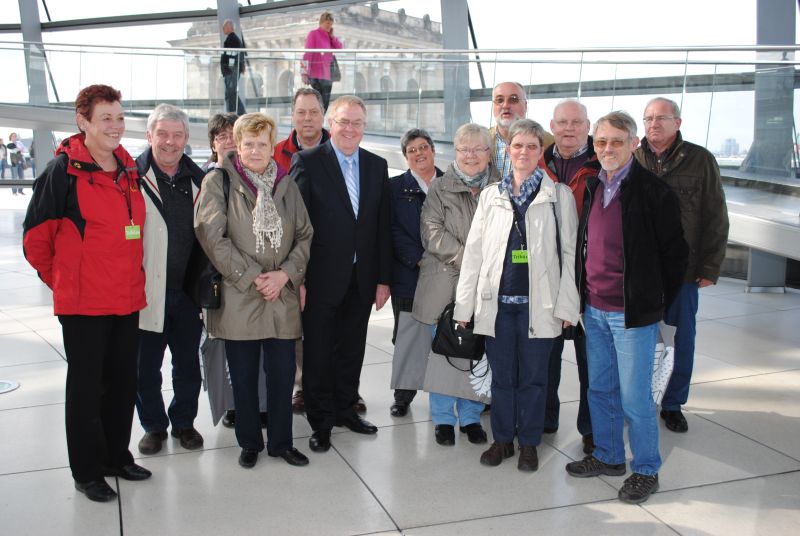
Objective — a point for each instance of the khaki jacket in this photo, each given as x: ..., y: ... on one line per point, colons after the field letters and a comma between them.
x: 226, y: 235
x: 553, y: 294
x: 444, y: 225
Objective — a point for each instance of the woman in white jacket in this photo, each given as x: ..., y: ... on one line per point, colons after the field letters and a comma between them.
x: 518, y: 280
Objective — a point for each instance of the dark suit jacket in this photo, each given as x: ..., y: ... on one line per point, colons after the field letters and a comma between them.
x: 337, y: 233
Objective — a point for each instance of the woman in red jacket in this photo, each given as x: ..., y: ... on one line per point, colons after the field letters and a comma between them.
x: 83, y: 235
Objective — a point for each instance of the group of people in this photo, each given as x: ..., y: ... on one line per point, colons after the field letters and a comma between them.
x: 12, y: 156
x: 537, y: 238
x: 309, y: 234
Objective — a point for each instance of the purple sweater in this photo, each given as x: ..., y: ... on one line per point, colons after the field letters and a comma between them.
x: 604, y: 256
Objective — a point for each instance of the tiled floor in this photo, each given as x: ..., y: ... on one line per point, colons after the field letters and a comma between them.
x: 737, y: 471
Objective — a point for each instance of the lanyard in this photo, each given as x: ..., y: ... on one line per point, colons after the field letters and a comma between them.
x: 516, y: 225
x: 125, y: 191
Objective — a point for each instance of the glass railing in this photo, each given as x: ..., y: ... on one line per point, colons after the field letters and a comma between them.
x: 718, y: 89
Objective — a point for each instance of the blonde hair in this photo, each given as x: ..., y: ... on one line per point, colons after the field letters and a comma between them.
x: 325, y: 16
x: 347, y: 100
x: 254, y: 123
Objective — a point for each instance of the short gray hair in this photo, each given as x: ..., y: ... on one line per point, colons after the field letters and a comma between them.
x: 412, y: 135
x: 472, y: 130
x: 580, y: 106
x: 167, y: 112
x: 521, y: 127
x: 676, y: 110
x: 620, y: 120
x: 307, y: 91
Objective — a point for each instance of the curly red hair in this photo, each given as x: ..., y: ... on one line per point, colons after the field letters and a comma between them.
x: 91, y: 95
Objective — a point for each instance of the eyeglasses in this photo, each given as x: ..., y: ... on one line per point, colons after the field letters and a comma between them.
x: 473, y: 150
x: 615, y: 143
x: 657, y: 119
x: 223, y: 137
x: 344, y: 123
x: 500, y: 99
x: 575, y: 123
x: 518, y: 146
x: 418, y: 149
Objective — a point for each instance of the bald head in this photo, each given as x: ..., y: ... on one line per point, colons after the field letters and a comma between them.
x: 570, y: 126
x: 227, y: 26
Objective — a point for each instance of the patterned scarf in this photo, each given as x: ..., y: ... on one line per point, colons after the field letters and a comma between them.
x: 475, y: 181
x: 266, y: 220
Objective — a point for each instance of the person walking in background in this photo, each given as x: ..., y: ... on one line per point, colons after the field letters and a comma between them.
x: 232, y: 66
x: 16, y: 159
x: 317, y: 65
x: 83, y: 235
x: 3, y: 157
x: 171, y: 182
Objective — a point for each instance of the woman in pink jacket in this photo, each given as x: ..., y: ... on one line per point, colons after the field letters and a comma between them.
x: 317, y: 71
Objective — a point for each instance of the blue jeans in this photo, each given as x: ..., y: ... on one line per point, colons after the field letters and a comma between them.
x: 444, y: 407
x: 682, y: 314
x: 182, y: 328
x: 620, y: 376
x: 244, y: 358
x: 519, y: 377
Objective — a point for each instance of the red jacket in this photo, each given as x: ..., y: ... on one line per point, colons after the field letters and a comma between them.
x: 74, y: 233
x: 591, y: 168
x: 285, y: 149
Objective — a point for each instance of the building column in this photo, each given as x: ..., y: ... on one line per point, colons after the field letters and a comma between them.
x: 456, y: 73
x: 35, y: 69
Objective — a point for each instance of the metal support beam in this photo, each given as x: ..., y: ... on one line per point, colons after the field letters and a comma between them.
x: 455, y: 25
x: 35, y: 68
x: 765, y: 272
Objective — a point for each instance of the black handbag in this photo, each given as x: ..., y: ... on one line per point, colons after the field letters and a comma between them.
x: 452, y: 340
x: 203, y: 282
x: 336, y: 73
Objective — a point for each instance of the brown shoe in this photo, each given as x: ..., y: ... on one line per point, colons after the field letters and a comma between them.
x: 151, y: 442
x: 189, y: 437
x: 497, y: 453
x: 298, y: 404
x: 528, y: 459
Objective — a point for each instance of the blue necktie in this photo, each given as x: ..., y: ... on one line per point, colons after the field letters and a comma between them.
x: 352, y: 183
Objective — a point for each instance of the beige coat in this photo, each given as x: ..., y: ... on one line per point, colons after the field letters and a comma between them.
x: 227, y: 238
x: 444, y: 225
x: 553, y: 295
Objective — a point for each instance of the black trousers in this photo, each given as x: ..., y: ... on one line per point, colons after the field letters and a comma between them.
x: 324, y: 87
x: 101, y: 391
x: 584, y: 420
x: 334, y: 340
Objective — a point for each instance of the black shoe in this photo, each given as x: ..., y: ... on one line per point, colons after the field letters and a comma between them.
x: 675, y: 421
x: 357, y: 424
x: 445, y: 434
x: 588, y: 444
x: 496, y: 453
x: 229, y: 420
x: 486, y: 408
x: 263, y: 416
x: 550, y: 429
x: 591, y: 466
x: 399, y: 409
x: 293, y: 457
x: 190, y: 438
x: 151, y: 442
x: 475, y: 433
x: 528, y: 459
x: 320, y: 441
x: 360, y: 406
x: 248, y: 458
x: 637, y: 488
x: 96, y: 490
x: 129, y: 472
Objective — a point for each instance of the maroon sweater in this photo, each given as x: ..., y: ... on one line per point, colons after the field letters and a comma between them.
x: 604, y: 256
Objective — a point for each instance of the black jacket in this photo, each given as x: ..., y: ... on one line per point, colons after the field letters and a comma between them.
x: 407, y: 199
x: 655, y: 252
x: 232, y: 62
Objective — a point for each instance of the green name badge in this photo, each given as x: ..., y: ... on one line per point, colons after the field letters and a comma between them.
x: 519, y: 256
x: 133, y: 232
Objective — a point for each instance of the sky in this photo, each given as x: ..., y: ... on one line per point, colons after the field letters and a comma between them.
x: 561, y: 24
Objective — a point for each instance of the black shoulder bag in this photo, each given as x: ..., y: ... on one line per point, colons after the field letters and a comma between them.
x: 203, y: 282
x: 451, y: 340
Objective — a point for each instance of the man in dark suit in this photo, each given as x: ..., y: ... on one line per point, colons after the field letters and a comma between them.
x: 346, y: 192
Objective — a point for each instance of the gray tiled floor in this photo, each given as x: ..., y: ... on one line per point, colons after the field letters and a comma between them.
x: 737, y: 471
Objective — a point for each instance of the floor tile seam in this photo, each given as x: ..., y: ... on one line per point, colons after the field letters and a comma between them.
x: 756, y: 441
x: 29, y: 364
x: 368, y: 487
x: 378, y: 348
x: 772, y: 307
x: 33, y: 406
x: 727, y: 482
x: 748, y: 376
x: 726, y: 319
x: 378, y: 363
